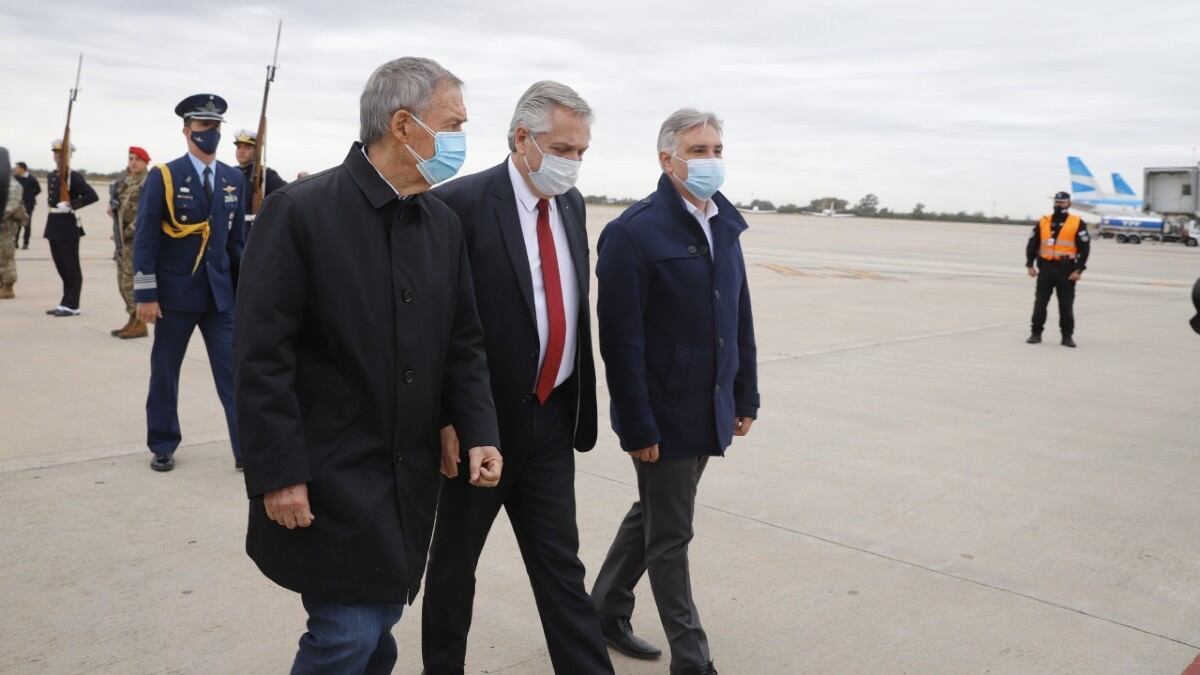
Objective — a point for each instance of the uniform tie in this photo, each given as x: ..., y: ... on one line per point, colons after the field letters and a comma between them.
x: 208, y: 187
x: 555, y: 313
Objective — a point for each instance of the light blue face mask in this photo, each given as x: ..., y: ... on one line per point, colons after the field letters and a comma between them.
x: 705, y: 176
x: 449, y: 153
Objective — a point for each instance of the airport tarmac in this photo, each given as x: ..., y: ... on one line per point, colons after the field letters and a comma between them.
x: 923, y: 493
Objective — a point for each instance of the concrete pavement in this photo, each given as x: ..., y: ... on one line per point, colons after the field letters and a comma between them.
x: 924, y: 493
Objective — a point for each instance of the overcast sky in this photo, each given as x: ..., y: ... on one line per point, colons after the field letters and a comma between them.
x: 957, y: 104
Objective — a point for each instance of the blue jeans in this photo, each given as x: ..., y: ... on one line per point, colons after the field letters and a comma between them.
x: 347, y: 638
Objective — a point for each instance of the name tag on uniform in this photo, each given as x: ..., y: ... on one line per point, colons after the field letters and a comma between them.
x: 183, y: 189
x: 231, y: 199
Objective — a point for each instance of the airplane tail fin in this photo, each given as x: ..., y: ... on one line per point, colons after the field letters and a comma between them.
x: 1121, y: 186
x: 1082, y: 180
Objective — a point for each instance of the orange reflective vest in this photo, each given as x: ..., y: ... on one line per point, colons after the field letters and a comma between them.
x: 1062, y: 248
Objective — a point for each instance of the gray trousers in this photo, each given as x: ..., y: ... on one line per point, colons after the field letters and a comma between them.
x: 654, y: 538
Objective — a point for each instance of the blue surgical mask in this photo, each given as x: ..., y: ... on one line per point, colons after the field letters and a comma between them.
x: 207, y: 140
x: 449, y: 153
x: 705, y: 176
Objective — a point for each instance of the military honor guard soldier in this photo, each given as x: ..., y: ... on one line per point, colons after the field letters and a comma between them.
x: 187, y: 249
x: 124, y: 213
x: 245, y: 143
x: 63, y: 231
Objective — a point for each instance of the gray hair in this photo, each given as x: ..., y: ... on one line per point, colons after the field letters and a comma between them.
x: 534, y: 108
x: 680, y: 121
x: 403, y: 84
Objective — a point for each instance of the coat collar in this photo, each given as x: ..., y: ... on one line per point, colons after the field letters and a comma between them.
x: 376, y: 189
x: 727, y: 218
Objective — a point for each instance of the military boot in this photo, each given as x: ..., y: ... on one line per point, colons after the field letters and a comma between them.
x: 116, y: 332
x: 6, y: 292
x: 136, y: 329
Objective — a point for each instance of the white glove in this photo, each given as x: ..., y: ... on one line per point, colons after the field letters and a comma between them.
x: 62, y: 207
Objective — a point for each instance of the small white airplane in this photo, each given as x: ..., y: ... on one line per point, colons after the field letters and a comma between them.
x: 755, y: 209
x: 828, y: 212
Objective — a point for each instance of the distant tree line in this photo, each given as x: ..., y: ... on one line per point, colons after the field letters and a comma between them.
x: 867, y: 207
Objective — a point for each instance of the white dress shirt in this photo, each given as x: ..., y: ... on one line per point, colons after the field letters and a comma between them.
x: 527, y: 210
x: 710, y: 211
x: 200, y: 166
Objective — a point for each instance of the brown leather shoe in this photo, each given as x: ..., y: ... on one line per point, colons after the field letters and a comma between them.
x: 6, y: 292
x: 137, y: 329
x: 116, y: 332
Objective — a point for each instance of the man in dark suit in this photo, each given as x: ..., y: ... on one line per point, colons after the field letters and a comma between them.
x: 524, y: 225
x: 187, y: 249
x: 63, y: 230
x: 32, y: 189
x: 677, y: 337
x: 356, y: 330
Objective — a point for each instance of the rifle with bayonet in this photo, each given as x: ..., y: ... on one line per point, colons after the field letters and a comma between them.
x: 64, y: 167
x: 258, y: 179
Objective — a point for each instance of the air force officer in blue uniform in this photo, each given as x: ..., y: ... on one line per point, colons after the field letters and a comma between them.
x: 677, y: 338
x: 186, y: 253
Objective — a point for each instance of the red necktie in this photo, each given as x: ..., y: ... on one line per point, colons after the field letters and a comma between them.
x: 554, y: 304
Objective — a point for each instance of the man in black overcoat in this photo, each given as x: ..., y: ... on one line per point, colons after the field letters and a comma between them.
x: 355, y: 331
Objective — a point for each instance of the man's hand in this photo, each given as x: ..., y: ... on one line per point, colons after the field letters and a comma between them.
x: 148, y: 312
x: 741, y: 425
x: 1032, y: 271
x: 289, y: 506
x: 486, y: 465
x: 450, y: 450
x: 1075, y: 275
x: 649, y: 454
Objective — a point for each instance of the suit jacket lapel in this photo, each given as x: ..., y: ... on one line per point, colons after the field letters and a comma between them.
x: 504, y: 206
x: 575, y: 239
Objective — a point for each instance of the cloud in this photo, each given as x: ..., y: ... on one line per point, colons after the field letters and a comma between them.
x: 957, y: 105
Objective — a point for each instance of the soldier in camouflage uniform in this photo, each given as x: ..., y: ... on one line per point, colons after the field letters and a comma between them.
x: 125, y: 212
x: 11, y: 221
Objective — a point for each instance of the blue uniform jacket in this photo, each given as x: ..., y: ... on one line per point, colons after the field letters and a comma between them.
x: 676, y: 331
x: 163, y: 265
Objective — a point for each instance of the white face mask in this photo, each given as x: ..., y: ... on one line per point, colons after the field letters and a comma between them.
x: 557, y: 175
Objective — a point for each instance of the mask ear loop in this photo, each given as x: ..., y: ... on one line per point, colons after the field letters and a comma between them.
x: 429, y: 131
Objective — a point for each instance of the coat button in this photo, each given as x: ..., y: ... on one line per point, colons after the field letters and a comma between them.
x: 409, y: 376
x: 399, y: 458
x: 533, y: 354
x: 692, y: 249
x: 526, y: 399
x: 407, y: 295
x: 718, y: 388
x: 720, y: 342
x: 703, y: 250
x: 716, y: 294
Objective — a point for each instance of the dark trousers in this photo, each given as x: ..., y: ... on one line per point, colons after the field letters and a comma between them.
x: 347, y: 638
x: 537, y: 490
x: 1054, y: 278
x: 654, y: 538
x: 65, y: 253
x: 28, y: 227
x: 171, y: 336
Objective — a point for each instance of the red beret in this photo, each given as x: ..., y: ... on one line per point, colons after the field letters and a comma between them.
x: 140, y: 152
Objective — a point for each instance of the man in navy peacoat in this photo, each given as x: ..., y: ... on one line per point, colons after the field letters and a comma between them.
x: 677, y: 337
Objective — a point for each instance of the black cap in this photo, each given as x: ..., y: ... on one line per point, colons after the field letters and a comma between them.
x: 1062, y: 195
x: 202, y: 107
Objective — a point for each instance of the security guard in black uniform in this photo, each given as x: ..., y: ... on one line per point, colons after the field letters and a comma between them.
x: 1060, y: 245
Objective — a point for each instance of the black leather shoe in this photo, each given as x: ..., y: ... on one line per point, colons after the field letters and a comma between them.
x: 619, y: 634
x: 1068, y: 342
x: 706, y: 669
x: 237, y: 465
x: 1034, y: 339
x: 162, y: 463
